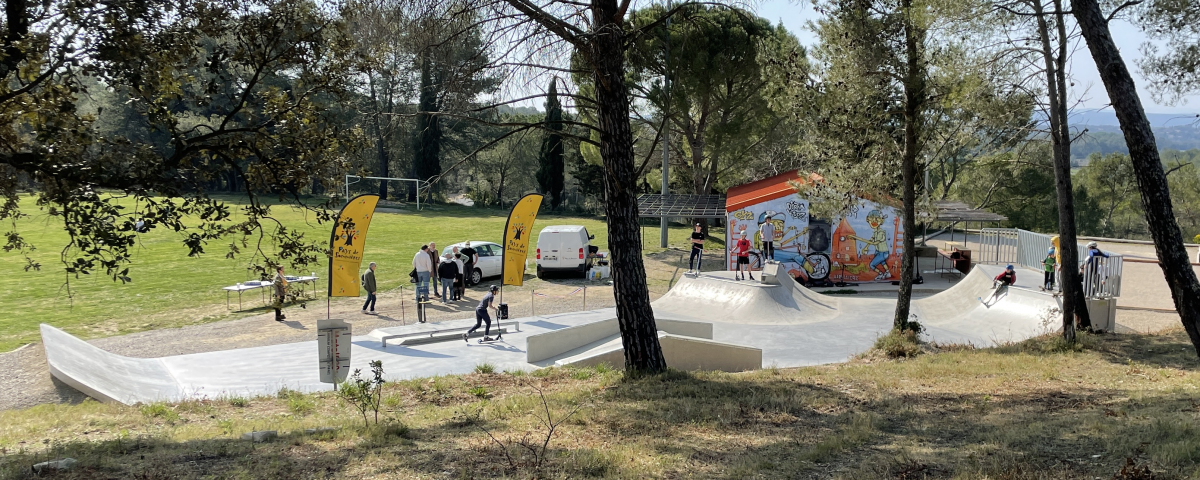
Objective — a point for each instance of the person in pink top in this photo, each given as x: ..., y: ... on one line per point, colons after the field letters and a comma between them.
x: 742, y: 248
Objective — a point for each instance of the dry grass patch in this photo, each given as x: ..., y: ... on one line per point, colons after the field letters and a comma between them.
x: 1118, y: 407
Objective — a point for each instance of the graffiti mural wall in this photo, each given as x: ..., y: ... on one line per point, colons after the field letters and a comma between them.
x: 862, y: 246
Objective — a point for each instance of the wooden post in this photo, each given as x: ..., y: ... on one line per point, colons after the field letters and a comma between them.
x: 401, y: 304
x: 531, y: 295
x: 585, y: 297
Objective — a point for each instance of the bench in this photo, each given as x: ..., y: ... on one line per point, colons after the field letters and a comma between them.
x: 440, y: 335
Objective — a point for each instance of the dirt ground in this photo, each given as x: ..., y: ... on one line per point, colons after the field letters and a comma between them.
x: 28, y: 382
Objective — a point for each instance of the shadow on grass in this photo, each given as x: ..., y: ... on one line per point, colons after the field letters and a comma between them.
x: 783, y: 426
x: 1164, y: 350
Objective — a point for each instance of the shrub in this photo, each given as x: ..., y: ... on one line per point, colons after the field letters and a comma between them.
x: 364, y: 394
x: 485, y: 368
x: 480, y: 391
x: 899, y: 344
x: 160, y: 410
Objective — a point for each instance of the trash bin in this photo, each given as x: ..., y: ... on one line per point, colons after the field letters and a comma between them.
x: 503, y: 311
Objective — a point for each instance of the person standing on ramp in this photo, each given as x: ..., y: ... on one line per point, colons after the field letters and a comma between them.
x: 697, y: 250
x: 743, y: 256
x: 481, y: 315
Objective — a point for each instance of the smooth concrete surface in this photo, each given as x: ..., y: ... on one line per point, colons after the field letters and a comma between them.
x: 681, y: 352
x: 791, y: 325
x: 555, y: 343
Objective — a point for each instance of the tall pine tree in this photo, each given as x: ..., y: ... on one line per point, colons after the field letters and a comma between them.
x: 550, y: 158
x: 427, y: 138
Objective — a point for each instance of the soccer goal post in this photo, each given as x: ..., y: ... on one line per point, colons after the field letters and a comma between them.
x: 352, y: 179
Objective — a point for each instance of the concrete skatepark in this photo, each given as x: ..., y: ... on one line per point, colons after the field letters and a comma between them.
x: 707, y: 322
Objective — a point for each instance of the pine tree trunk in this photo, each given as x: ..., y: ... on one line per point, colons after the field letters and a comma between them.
x: 1062, y: 179
x: 914, y: 99
x: 639, y: 335
x: 1147, y: 166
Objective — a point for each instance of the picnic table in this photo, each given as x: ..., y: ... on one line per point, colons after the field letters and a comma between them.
x: 263, y: 284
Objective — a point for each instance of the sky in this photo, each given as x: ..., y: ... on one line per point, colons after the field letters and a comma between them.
x: 795, y: 14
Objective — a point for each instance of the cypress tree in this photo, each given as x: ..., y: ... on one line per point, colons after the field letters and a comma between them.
x: 427, y: 138
x: 550, y: 158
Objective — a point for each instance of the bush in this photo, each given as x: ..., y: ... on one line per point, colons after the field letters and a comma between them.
x: 899, y: 344
x: 485, y: 368
x: 364, y: 394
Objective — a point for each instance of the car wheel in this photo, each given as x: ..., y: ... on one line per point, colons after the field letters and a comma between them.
x: 476, y: 276
x: 540, y: 273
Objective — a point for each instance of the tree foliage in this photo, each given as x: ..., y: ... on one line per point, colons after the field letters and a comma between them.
x: 237, y: 88
x: 1173, y: 68
x: 551, y: 166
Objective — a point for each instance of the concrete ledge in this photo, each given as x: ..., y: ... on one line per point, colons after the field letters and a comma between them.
x: 552, y: 344
x: 681, y: 352
x: 436, y: 336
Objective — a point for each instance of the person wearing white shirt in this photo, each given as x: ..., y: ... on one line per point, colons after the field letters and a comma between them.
x: 424, y: 267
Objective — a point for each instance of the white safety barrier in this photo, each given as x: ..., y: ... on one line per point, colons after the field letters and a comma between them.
x: 1101, y: 277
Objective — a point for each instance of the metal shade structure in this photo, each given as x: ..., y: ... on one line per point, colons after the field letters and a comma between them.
x: 685, y: 206
x: 951, y: 211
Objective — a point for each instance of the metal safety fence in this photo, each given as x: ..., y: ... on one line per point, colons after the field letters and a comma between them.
x: 1101, y: 276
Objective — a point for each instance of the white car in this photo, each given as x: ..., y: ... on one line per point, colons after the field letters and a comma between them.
x: 491, y: 260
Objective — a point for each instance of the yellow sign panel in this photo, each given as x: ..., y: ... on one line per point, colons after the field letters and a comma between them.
x: 517, y: 231
x: 347, y: 242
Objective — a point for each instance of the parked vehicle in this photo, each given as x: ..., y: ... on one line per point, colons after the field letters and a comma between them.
x: 564, y: 248
x: 491, y: 260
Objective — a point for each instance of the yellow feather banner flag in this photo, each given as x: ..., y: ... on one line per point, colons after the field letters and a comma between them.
x: 347, y: 243
x: 517, y: 231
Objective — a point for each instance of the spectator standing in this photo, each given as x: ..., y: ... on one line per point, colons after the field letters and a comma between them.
x: 767, y: 232
x: 280, y: 285
x: 368, y: 283
x: 1048, y: 264
x: 459, y: 286
x: 424, y: 268
x: 469, y: 263
x: 434, y: 258
x: 447, y: 269
x: 1091, y: 268
x: 697, y: 241
x: 742, y: 249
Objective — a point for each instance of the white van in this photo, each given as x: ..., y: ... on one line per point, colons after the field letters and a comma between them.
x: 564, y: 248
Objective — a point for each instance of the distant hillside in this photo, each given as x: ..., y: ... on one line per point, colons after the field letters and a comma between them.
x: 1171, y: 131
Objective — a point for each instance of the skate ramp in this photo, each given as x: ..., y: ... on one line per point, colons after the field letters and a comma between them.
x: 680, y: 352
x: 957, y: 315
x: 717, y: 297
x: 105, y: 376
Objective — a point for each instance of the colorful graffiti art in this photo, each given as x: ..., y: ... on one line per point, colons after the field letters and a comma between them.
x: 864, y: 247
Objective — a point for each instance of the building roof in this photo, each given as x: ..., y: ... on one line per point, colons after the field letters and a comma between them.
x: 951, y: 211
x: 770, y: 188
x: 687, y: 206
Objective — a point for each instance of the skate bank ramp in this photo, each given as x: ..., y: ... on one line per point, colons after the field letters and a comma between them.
x: 815, y: 321
x: 718, y: 297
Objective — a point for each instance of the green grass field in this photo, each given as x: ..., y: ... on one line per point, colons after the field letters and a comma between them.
x: 170, y: 290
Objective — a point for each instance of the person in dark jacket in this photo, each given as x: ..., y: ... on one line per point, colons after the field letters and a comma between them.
x: 368, y: 283
x: 280, y: 286
x: 434, y: 258
x: 447, y: 270
x: 471, y: 258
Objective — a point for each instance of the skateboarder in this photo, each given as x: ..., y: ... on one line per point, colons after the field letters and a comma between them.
x: 697, y: 250
x: 1000, y: 284
x: 1048, y: 263
x: 743, y: 256
x: 481, y: 315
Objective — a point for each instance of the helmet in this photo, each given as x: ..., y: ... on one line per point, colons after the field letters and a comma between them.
x: 1010, y: 267
x: 1091, y: 245
x: 493, y: 288
x: 1051, y: 252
